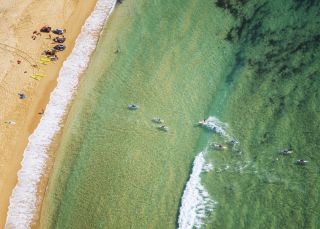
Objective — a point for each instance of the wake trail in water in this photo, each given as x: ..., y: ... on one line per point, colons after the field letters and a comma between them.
x: 218, y: 127
x: 23, y: 201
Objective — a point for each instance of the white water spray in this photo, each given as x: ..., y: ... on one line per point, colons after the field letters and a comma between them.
x: 23, y: 201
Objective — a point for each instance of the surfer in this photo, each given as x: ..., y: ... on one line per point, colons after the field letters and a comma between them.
x: 301, y: 162
x: 219, y: 146
x: 202, y: 122
x: 133, y: 107
x: 163, y: 127
x: 286, y: 151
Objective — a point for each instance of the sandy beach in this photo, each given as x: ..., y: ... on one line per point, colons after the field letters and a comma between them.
x: 19, y: 52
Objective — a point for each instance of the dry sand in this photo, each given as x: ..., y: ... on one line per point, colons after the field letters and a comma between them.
x: 19, y: 18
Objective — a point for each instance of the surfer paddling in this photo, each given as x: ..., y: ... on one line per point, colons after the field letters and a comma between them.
x: 202, y: 122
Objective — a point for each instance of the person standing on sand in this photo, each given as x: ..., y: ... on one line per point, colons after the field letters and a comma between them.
x: 42, y: 112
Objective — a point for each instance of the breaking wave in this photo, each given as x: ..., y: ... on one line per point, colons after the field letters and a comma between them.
x: 196, y: 201
x: 23, y: 201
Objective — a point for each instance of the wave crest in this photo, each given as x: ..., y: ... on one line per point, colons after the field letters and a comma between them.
x: 196, y: 201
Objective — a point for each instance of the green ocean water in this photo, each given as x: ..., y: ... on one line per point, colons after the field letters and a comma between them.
x: 273, y: 104
x: 254, y: 65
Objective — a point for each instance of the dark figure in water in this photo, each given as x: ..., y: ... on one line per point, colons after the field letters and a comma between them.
x: 286, y: 151
x: 301, y: 162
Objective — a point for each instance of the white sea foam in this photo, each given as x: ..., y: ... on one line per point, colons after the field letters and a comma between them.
x: 217, y: 126
x: 23, y: 200
x: 221, y: 128
x: 196, y: 201
x: 207, y: 167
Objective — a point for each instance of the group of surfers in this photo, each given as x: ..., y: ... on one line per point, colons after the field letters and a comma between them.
x: 285, y: 152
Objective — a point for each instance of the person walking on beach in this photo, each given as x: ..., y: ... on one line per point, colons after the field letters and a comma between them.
x: 42, y: 112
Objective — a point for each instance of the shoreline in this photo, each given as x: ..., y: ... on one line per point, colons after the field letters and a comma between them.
x: 35, y: 155
x: 69, y: 15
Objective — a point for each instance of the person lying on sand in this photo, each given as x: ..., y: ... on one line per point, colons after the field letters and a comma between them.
x: 22, y: 95
x: 10, y: 122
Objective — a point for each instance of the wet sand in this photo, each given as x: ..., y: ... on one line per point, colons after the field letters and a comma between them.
x: 19, y: 19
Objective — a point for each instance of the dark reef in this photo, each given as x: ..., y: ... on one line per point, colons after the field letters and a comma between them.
x: 282, y: 52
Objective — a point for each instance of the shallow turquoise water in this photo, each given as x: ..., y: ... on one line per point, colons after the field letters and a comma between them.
x: 254, y: 65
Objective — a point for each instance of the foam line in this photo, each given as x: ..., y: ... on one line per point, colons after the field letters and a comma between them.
x: 23, y: 201
x: 195, y: 202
